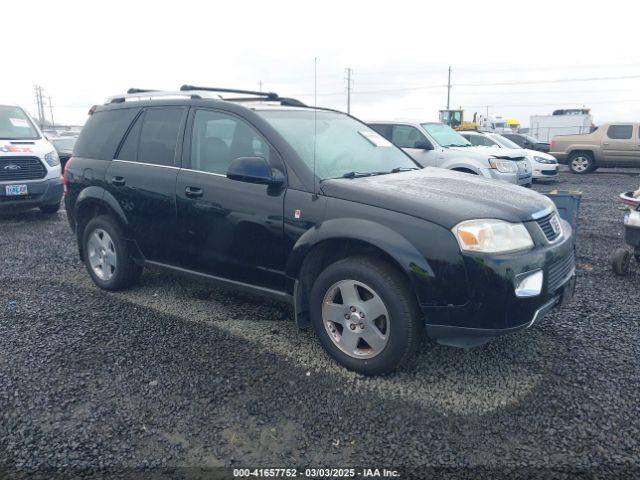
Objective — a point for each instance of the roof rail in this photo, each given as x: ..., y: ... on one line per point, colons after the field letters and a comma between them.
x: 139, y: 93
x: 268, y: 95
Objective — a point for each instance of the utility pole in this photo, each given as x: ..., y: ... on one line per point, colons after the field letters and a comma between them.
x: 39, y: 104
x: 51, y: 111
x: 349, y: 85
x: 260, y: 83
x: 449, y: 88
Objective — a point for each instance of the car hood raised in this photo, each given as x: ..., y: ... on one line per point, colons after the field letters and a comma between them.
x: 441, y: 196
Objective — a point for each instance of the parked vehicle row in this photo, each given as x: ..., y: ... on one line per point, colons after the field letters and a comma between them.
x: 313, y: 207
x: 438, y: 145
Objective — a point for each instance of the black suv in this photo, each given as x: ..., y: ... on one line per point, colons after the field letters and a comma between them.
x: 527, y: 141
x: 313, y: 207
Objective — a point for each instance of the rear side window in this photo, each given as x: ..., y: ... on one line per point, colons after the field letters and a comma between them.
x: 102, y: 133
x: 620, y: 132
x: 154, y: 137
x: 382, y: 129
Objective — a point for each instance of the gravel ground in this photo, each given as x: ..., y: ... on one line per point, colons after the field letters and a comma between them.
x: 175, y: 374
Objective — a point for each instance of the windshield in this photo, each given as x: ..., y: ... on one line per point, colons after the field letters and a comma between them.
x: 445, y: 136
x: 342, y: 144
x: 531, y: 139
x: 64, y: 143
x: 503, y: 141
x: 15, y: 125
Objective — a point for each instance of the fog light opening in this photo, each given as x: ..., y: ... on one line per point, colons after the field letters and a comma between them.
x: 529, y: 284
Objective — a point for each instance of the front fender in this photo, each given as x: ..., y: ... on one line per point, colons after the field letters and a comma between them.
x: 403, y: 252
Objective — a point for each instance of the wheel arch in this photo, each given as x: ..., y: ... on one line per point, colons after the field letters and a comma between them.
x: 341, y: 238
x: 94, y: 201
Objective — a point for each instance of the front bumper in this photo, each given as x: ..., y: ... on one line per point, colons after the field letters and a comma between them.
x: 514, y: 178
x: 493, y: 308
x: 547, y: 171
x: 42, y: 192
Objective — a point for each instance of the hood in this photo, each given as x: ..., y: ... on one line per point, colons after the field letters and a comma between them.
x: 25, y: 148
x: 485, y: 152
x: 441, y: 196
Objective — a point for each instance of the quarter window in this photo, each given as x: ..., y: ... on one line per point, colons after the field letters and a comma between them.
x: 219, y: 138
x: 620, y: 132
x: 102, y: 133
x: 405, y: 136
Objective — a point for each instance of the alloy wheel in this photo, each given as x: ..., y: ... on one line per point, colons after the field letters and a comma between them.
x: 102, y: 254
x: 356, y: 319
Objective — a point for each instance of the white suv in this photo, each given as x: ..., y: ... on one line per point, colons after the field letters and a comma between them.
x: 433, y: 144
x: 30, y: 173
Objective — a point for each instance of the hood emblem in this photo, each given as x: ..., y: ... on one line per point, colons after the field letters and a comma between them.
x: 12, y: 167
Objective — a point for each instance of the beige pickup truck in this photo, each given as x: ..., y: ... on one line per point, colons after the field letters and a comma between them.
x: 610, y: 145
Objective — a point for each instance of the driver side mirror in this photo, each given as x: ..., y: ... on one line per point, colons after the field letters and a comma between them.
x: 254, y: 170
x: 423, y: 145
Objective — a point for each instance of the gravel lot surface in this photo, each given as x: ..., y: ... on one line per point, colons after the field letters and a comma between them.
x: 175, y: 373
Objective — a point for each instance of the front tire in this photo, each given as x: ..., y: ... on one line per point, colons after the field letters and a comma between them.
x: 106, y: 255
x: 621, y: 262
x: 581, y: 163
x: 365, y: 315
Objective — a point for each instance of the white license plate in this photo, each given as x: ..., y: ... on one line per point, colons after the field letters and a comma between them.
x: 13, y: 190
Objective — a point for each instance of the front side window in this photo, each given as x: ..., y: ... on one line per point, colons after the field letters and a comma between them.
x: 620, y: 132
x: 406, y: 136
x: 16, y: 125
x: 338, y: 143
x: 445, y: 135
x: 219, y: 138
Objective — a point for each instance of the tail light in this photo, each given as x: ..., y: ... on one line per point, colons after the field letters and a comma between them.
x: 65, y: 178
x: 551, y: 145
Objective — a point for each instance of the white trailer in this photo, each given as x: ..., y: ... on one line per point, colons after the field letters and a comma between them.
x: 562, y: 122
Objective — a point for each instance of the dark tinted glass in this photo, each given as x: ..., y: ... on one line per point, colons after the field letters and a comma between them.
x: 384, y: 130
x: 620, y: 132
x: 159, y: 135
x: 219, y: 138
x: 129, y: 149
x: 102, y: 133
x: 514, y: 138
x: 405, y: 136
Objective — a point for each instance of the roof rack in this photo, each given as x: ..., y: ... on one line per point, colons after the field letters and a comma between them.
x: 206, y: 92
x: 256, y: 96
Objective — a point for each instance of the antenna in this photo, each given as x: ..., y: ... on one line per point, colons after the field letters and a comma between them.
x: 315, y: 122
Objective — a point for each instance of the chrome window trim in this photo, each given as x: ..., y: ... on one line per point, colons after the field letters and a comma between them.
x: 148, y: 164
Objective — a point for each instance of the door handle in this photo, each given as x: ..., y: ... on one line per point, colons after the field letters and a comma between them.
x: 118, y: 181
x: 193, y: 192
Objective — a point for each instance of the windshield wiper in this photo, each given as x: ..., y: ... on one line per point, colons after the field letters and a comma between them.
x: 459, y: 145
x: 402, y: 169
x: 362, y: 174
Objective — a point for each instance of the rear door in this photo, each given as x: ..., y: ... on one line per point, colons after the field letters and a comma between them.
x: 228, y: 228
x: 619, y: 144
x: 143, y: 175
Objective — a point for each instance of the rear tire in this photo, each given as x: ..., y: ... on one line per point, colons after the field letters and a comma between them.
x: 621, y: 262
x: 50, y: 209
x: 581, y: 163
x: 376, y: 329
x: 106, y: 255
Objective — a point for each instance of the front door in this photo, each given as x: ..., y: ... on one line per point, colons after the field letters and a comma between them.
x: 228, y: 228
x: 407, y: 136
x: 142, y: 178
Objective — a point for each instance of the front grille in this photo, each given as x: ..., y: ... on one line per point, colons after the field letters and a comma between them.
x: 549, y: 172
x: 559, y: 271
x: 21, y: 168
x: 550, y: 226
x: 523, y: 167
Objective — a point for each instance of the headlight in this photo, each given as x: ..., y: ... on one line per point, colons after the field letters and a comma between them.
x: 503, y: 166
x: 52, y: 159
x: 492, y: 236
x: 545, y: 160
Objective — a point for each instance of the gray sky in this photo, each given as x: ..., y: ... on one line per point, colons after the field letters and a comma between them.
x: 518, y: 58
